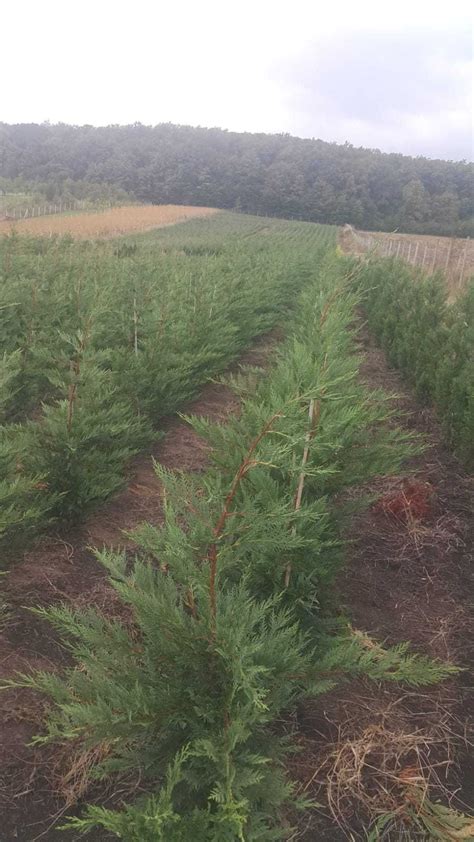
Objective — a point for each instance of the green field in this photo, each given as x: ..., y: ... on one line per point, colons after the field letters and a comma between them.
x: 187, y: 679
x: 100, y: 340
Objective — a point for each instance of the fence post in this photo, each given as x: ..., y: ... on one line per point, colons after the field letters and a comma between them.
x: 449, y: 254
x: 424, y: 257
x: 464, y: 255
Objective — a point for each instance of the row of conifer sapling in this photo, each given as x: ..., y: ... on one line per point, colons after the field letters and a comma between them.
x: 230, y: 619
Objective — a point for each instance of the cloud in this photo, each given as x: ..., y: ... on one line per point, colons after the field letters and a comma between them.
x: 407, y: 91
x: 378, y: 75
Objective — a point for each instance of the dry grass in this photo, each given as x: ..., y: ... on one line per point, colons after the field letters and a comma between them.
x: 453, y: 256
x: 72, y: 769
x: 108, y: 223
x: 377, y: 754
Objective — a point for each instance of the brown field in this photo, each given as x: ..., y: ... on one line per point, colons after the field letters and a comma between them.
x: 452, y: 255
x: 108, y: 223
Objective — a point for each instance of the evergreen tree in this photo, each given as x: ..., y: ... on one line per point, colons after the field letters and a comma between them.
x: 225, y: 627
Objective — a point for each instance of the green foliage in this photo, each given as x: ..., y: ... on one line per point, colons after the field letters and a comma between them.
x: 157, y: 820
x: 82, y: 448
x: 428, y: 339
x: 101, y: 340
x: 23, y: 503
x: 274, y: 175
x: 454, y: 381
x: 174, y: 682
x: 21, y: 194
x: 351, y: 442
x: 228, y: 619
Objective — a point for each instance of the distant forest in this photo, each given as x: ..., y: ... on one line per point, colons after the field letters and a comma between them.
x: 276, y: 175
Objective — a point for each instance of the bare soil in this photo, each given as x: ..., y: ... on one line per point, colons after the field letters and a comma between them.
x: 405, y: 580
x: 63, y: 568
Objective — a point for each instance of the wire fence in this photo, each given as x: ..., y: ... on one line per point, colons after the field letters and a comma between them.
x: 451, y: 255
x: 30, y: 211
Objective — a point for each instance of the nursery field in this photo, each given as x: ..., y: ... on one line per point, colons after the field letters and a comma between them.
x: 107, y: 223
x: 241, y: 533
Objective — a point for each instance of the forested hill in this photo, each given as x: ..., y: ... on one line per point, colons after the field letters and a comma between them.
x: 277, y: 175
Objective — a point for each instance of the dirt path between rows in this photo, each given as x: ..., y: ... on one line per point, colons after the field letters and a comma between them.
x: 406, y: 580
x: 403, y: 582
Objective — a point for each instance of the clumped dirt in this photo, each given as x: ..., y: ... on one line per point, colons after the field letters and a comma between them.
x: 409, y: 577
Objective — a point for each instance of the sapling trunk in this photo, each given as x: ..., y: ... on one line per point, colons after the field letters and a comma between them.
x: 75, y: 373
x: 135, y: 326
x: 246, y: 464
x: 75, y: 370
x: 314, y: 413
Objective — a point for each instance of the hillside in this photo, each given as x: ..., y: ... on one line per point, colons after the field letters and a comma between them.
x: 276, y: 175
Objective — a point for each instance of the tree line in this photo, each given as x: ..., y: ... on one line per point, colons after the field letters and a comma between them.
x: 275, y: 175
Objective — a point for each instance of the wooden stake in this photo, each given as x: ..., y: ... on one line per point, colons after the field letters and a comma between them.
x: 424, y: 257
x: 314, y: 413
x: 449, y: 254
x: 135, y: 326
x: 461, y: 277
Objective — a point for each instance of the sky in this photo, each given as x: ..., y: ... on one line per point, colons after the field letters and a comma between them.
x: 392, y: 76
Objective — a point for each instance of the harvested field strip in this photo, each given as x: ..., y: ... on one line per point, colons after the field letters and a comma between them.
x: 108, y: 223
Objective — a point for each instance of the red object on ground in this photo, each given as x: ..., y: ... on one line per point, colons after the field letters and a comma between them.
x: 411, y: 500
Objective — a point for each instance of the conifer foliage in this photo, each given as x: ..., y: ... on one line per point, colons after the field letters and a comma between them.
x: 22, y: 505
x: 99, y: 341
x: 429, y: 339
x: 230, y: 615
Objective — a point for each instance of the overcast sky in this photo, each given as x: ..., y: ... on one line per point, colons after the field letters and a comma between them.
x: 396, y: 76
